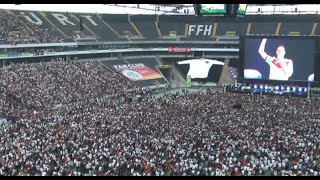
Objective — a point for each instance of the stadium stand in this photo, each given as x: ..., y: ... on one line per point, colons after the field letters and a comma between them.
x: 69, y: 25
x: 46, y: 85
x: 263, y: 28
x: 232, y: 28
x: 45, y: 32
x: 100, y: 30
x: 172, y: 26
x: 146, y: 25
x: 121, y: 25
x: 288, y: 28
x: 178, y: 134
x: 17, y: 31
x: 61, y: 26
x: 73, y: 118
x: 9, y: 105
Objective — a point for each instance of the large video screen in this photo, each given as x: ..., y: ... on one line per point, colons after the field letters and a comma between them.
x: 213, y: 9
x: 279, y: 58
x: 242, y: 9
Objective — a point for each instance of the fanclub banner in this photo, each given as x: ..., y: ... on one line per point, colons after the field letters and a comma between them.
x: 137, y: 72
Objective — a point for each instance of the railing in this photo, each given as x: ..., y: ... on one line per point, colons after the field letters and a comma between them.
x: 93, y: 51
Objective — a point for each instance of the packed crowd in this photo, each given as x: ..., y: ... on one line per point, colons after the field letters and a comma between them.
x: 17, y: 30
x: 9, y: 105
x: 40, y: 86
x: 177, y: 134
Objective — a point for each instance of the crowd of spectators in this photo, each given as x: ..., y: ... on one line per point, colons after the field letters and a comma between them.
x: 17, y: 30
x: 9, y: 104
x: 40, y: 86
x: 197, y: 133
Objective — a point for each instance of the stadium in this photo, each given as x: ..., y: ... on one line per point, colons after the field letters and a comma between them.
x: 183, y: 90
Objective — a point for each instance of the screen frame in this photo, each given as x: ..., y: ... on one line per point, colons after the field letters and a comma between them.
x: 316, y: 64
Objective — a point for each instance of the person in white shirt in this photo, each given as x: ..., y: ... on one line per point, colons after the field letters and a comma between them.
x: 281, y: 68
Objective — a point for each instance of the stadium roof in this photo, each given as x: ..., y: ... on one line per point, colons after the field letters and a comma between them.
x: 183, y: 9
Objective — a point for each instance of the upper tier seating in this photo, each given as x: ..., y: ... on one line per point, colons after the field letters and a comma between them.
x: 49, y: 27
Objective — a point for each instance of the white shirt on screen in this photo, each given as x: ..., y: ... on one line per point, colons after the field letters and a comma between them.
x: 276, y: 72
x: 199, y: 68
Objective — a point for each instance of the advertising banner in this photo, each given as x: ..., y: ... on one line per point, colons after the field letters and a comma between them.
x: 179, y: 49
x: 137, y: 72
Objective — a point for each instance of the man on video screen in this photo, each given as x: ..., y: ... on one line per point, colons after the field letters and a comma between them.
x: 280, y: 67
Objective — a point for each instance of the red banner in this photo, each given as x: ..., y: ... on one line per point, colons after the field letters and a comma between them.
x: 179, y: 49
